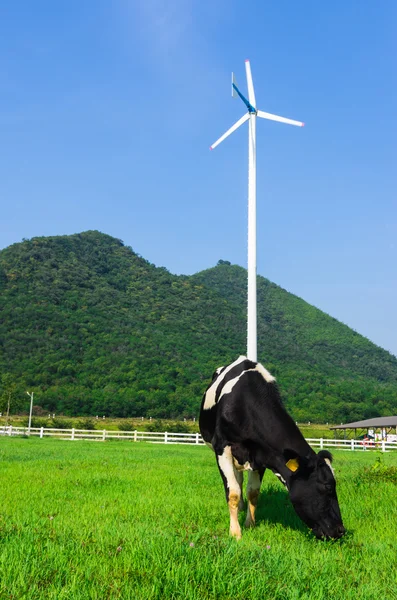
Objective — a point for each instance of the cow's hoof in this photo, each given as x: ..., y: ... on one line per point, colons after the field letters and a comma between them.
x: 236, y: 535
x: 249, y: 524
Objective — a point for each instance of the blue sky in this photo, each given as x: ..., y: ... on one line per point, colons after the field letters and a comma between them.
x: 108, y: 109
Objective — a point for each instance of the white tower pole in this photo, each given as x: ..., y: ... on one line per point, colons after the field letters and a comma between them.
x: 253, y: 112
x: 252, y: 301
x: 30, y: 411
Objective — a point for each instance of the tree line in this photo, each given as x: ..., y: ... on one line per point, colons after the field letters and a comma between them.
x: 93, y: 328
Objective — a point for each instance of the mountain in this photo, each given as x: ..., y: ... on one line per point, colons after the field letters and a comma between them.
x: 93, y: 328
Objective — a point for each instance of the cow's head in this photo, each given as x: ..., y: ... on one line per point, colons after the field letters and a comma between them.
x: 312, y: 491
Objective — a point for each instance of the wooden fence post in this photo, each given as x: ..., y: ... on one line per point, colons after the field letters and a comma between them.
x: 135, y: 435
x: 41, y: 432
x: 197, y: 438
x: 104, y: 435
x: 165, y: 437
x: 72, y: 434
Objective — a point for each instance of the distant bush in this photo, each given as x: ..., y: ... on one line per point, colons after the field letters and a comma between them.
x: 179, y: 427
x: 161, y: 426
x: 60, y: 423
x: 86, y: 424
x: 36, y: 422
x: 127, y: 426
x: 156, y: 425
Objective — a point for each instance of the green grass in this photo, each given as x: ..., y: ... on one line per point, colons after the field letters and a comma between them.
x: 87, y: 520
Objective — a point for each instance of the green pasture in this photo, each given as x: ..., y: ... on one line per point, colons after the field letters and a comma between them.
x: 92, y: 520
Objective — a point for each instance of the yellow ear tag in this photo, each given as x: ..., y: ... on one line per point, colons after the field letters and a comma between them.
x: 292, y: 464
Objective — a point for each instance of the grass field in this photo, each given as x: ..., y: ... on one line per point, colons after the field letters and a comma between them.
x: 90, y: 520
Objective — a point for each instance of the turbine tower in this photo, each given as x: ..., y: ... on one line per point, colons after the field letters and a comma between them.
x: 252, y: 113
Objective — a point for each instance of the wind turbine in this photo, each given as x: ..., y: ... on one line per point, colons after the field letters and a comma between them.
x: 250, y: 116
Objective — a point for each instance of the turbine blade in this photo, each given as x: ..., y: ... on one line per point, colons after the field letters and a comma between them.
x: 250, y: 85
x: 229, y: 131
x: 265, y: 115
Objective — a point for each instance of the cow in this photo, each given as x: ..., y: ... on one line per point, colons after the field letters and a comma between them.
x: 243, y: 420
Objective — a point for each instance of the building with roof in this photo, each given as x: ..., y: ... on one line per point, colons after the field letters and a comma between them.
x: 382, y: 428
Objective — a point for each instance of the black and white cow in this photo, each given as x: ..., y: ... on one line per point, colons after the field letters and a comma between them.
x: 243, y: 419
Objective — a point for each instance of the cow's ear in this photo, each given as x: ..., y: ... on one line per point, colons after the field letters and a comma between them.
x: 325, y: 455
x: 292, y: 460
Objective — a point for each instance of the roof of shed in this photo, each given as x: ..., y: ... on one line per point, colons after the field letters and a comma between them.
x: 377, y: 422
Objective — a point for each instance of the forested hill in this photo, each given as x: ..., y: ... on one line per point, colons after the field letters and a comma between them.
x: 93, y: 328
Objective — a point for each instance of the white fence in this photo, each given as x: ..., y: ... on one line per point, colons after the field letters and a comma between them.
x: 104, y: 434
x: 178, y: 438
x: 382, y: 445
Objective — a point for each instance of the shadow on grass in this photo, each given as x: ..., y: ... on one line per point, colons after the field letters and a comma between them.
x: 274, y: 506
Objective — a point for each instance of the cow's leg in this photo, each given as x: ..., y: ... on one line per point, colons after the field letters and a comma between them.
x: 239, y: 475
x: 232, y: 489
x: 253, y: 487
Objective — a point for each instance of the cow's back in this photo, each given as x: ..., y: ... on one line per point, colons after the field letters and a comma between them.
x: 241, y: 401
